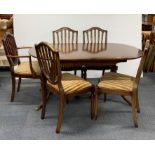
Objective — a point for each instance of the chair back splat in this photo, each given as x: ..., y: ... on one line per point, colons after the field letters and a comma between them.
x: 10, y: 49
x: 65, y: 35
x: 49, y: 62
x: 95, y: 35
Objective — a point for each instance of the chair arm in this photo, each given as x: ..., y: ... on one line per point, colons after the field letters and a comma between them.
x: 30, y: 62
x: 24, y: 47
x: 17, y: 56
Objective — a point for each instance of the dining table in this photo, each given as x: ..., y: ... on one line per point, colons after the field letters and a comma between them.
x: 93, y: 55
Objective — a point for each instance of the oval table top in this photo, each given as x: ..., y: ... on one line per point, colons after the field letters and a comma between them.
x: 90, y: 52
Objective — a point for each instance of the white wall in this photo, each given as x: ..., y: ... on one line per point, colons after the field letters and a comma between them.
x: 30, y: 29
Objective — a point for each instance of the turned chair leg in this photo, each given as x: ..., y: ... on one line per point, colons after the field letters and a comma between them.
x: 134, y: 111
x: 60, y: 114
x: 19, y: 82
x: 13, y: 88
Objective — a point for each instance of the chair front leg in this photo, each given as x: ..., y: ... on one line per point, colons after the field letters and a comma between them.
x: 19, y: 82
x: 134, y: 111
x: 60, y: 113
x: 13, y: 87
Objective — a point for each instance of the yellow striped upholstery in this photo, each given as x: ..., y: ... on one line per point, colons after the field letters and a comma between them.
x: 24, y: 68
x: 71, y: 84
x: 116, y: 81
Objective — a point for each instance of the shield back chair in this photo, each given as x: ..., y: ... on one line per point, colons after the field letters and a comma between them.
x: 27, y: 69
x: 96, y: 37
x: 64, y: 85
x: 69, y: 38
x: 123, y: 85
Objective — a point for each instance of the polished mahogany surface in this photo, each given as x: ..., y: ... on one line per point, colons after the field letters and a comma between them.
x: 94, y: 52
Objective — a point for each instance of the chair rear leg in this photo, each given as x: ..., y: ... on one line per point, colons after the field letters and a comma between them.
x: 134, y: 111
x: 96, y: 103
x: 105, y: 97
x: 84, y: 72
x: 103, y: 71
x: 75, y: 72
x: 13, y: 88
x: 44, y: 101
x: 92, y: 104
x: 67, y: 99
x: 19, y: 82
x: 114, y: 69
x: 137, y: 102
x: 126, y: 99
x: 60, y: 113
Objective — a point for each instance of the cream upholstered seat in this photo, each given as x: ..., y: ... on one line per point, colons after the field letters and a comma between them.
x: 71, y: 84
x: 24, y: 68
x: 113, y: 81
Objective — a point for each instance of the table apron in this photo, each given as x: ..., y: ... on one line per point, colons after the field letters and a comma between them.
x: 67, y: 65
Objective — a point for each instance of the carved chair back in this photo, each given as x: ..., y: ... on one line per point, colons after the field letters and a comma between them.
x: 95, y: 35
x: 49, y: 62
x: 65, y: 35
x: 10, y: 49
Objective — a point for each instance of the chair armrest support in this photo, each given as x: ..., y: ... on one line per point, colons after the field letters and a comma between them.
x: 31, y: 68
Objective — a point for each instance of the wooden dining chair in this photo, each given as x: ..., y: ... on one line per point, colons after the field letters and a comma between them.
x: 64, y: 85
x: 150, y: 58
x: 26, y: 69
x: 123, y: 85
x: 96, y: 37
x: 69, y: 38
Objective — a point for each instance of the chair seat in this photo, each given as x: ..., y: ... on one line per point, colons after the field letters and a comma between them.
x: 116, y: 81
x: 71, y: 84
x: 24, y: 68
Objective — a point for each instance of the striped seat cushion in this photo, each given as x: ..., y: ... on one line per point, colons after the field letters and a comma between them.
x: 24, y: 68
x: 116, y: 81
x: 71, y: 84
